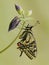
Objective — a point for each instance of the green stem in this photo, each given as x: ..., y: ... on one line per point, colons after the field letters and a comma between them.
x: 13, y: 40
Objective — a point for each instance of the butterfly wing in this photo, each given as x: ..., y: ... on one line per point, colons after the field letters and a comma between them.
x: 29, y: 47
x: 31, y: 50
x: 27, y: 52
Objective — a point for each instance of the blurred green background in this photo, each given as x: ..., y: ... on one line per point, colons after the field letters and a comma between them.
x: 40, y: 10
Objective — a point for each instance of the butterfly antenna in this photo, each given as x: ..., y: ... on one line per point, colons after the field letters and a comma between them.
x: 36, y: 23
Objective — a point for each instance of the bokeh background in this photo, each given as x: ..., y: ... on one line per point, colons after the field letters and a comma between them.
x: 40, y: 10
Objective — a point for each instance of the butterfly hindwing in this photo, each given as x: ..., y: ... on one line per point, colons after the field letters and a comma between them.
x: 33, y: 48
x: 26, y: 51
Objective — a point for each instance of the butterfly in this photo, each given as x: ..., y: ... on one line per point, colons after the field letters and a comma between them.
x: 27, y: 43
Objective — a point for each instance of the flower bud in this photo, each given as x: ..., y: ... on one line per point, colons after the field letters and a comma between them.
x: 29, y: 12
x: 14, y: 23
x: 19, y: 9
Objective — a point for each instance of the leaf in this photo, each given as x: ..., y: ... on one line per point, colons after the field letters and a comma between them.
x: 14, y: 23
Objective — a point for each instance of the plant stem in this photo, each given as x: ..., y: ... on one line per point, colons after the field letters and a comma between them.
x: 13, y: 40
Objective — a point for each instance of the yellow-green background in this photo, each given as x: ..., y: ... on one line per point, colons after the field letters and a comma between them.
x: 40, y: 10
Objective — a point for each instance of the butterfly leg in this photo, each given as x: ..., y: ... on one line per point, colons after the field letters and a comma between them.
x: 21, y: 53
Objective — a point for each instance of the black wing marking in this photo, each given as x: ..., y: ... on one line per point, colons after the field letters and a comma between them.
x: 22, y: 35
x: 14, y: 23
